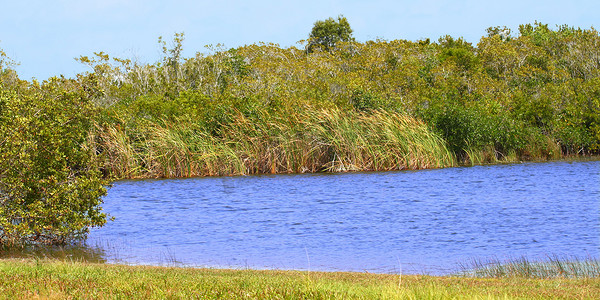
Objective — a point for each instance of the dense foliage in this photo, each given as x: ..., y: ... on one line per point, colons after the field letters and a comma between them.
x: 533, y: 96
x: 342, y: 105
x: 49, y: 186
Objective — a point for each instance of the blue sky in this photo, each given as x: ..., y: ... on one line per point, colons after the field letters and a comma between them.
x: 45, y: 36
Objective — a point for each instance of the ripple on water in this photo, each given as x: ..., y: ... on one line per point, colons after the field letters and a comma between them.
x: 421, y: 221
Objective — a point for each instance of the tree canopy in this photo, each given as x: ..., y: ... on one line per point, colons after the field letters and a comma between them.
x: 328, y: 33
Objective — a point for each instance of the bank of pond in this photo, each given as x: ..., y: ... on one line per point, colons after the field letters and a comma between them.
x: 43, y: 278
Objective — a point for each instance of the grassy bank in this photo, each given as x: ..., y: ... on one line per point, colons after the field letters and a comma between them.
x: 58, y: 280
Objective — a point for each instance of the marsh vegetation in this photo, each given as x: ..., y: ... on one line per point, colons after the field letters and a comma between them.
x: 328, y: 105
x: 338, y: 105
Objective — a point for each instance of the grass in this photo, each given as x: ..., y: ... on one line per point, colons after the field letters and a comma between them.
x: 52, y: 279
x: 289, y: 140
x: 298, y: 142
x: 552, y: 267
x: 293, y: 141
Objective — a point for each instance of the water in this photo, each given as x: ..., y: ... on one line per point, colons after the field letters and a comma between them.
x: 425, y: 221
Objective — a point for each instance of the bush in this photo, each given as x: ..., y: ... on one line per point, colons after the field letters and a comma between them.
x: 366, y: 101
x: 49, y: 187
x: 470, y: 128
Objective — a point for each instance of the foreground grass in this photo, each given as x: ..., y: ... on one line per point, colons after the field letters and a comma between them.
x: 23, y: 279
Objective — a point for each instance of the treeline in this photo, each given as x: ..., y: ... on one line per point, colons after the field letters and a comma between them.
x: 337, y: 106
x: 533, y: 96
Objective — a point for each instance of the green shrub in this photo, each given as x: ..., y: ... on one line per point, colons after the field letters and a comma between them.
x: 366, y: 101
x: 473, y: 129
x: 49, y: 187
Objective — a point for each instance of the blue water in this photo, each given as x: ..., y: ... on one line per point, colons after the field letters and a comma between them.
x: 425, y: 221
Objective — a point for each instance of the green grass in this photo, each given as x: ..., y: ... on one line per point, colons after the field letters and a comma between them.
x: 52, y: 279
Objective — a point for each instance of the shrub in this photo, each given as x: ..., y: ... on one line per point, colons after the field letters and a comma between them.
x: 49, y: 187
x: 472, y: 129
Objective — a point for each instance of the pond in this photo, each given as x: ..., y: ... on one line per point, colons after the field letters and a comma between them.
x: 426, y: 221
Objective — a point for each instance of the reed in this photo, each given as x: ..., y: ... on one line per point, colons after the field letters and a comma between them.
x: 293, y: 142
x: 117, y: 153
x: 539, y: 148
x: 551, y: 267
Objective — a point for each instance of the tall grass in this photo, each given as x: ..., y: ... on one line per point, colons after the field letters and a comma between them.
x: 295, y: 142
x: 552, y: 267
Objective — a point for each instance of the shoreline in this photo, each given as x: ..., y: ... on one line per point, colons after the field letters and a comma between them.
x: 566, y: 158
x: 31, y: 278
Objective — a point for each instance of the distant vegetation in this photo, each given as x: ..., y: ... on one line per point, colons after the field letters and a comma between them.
x: 333, y: 104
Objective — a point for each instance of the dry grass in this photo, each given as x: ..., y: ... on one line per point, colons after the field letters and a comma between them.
x: 307, y: 141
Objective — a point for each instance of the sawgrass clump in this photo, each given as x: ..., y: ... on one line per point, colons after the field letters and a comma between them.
x: 312, y: 140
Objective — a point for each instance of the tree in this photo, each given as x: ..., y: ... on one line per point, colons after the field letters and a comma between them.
x: 8, y: 76
x: 503, y: 32
x: 458, y: 51
x: 50, y: 188
x: 326, y: 34
x: 5, y: 62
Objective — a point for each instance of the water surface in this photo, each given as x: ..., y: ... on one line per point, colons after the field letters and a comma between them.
x: 424, y: 221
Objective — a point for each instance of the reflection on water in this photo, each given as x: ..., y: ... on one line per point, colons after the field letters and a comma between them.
x: 414, y: 221
x: 80, y: 252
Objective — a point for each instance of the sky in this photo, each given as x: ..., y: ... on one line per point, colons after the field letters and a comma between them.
x: 45, y: 37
